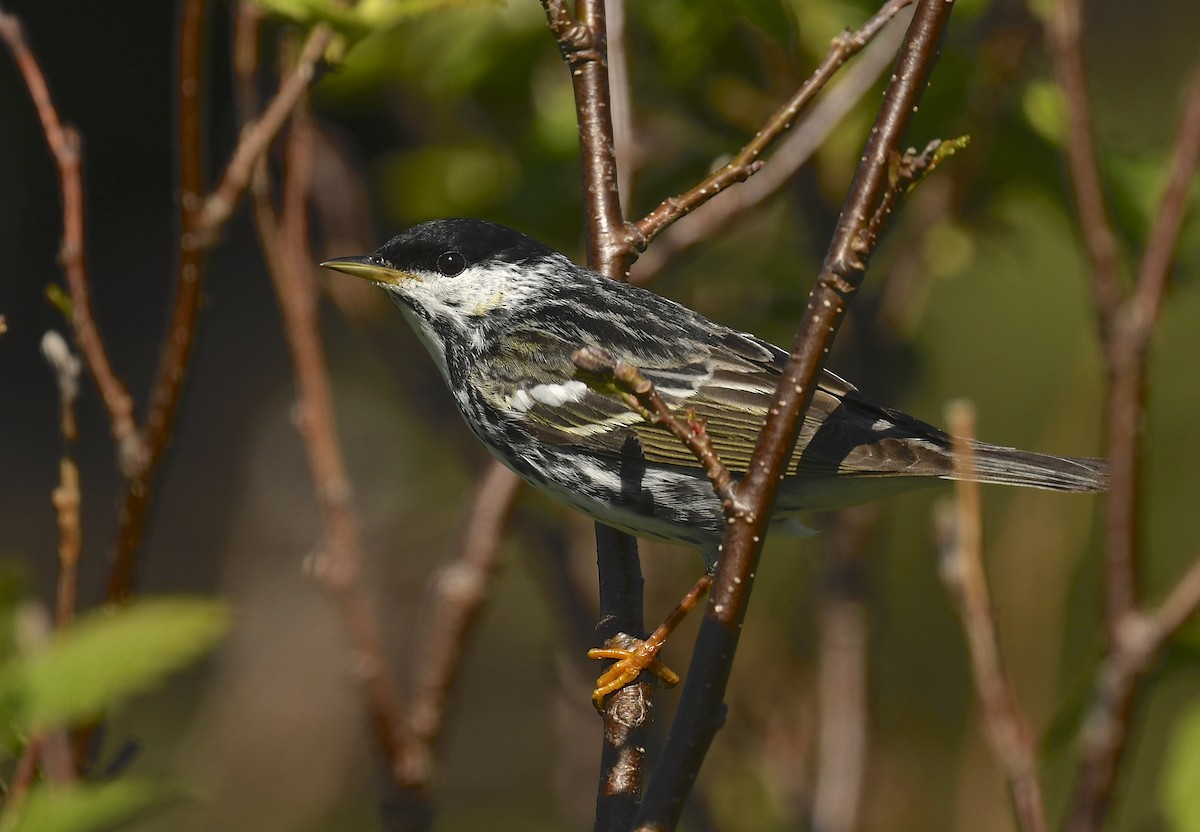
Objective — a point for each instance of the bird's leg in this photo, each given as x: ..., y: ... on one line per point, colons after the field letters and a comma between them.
x: 634, y: 655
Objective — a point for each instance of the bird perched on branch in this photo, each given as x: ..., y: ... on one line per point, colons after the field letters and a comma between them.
x: 502, y: 315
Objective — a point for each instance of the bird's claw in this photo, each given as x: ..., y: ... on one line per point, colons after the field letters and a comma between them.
x: 633, y: 656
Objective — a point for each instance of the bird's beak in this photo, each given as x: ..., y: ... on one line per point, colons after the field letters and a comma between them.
x: 369, y: 267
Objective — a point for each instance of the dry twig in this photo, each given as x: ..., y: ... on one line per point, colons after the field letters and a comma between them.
x: 961, y: 546
x: 1127, y: 322
x: 65, y: 145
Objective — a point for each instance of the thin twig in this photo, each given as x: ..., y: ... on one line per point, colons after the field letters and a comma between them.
x: 845, y: 264
x: 64, y: 143
x: 201, y: 219
x: 181, y: 329
x: 1065, y: 34
x: 624, y: 136
x: 961, y: 546
x: 456, y: 596
x: 844, y: 730
x: 66, y: 497
x: 1127, y: 324
x: 747, y: 161
x: 725, y: 208
x: 337, y: 563
x: 1164, y: 234
x: 1141, y: 638
x: 257, y: 136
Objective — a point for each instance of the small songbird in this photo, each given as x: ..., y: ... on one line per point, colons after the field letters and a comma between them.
x: 502, y: 315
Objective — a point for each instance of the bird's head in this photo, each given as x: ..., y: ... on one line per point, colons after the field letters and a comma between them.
x: 458, y: 275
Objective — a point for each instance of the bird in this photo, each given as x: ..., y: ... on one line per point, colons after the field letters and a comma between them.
x: 503, y: 314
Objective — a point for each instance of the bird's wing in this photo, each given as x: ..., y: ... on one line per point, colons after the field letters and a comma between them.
x: 729, y: 380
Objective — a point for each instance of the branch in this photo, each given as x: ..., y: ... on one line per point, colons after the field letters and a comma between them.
x: 841, y: 274
x: 456, y: 596
x: 257, y: 136
x: 747, y: 162
x: 727, y: 206
x: 1127, y: 325
x: 1141, y: 638
x: 181, y: 330
x: 843, y: 670
x: 64, y: 143
x: 336, y: 565
x: 1066, y: 49
x: 582, y: 40
x: 201, y: 219
x: 1164, y: 235
x: 961, y: 547
x: 66, y: 497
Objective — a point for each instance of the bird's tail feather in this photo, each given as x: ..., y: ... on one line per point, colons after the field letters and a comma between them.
x: 1008, y: 466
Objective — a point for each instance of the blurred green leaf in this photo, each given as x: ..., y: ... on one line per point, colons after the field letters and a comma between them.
x: 1045, y: 110
x: 109, y: 655
x: 88, y: 807
x: 356, y: 22
x: 60, y: 300
x: 1181, y: 774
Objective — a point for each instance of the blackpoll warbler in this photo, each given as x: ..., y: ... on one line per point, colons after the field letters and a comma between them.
x: 502, y: 315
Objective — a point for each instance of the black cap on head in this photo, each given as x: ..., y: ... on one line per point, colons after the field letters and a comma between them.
x: 419, y: 247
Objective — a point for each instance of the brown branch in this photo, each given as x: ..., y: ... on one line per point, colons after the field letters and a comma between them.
x: 582, y: 40
x: 726, y: 207
x: 1127, y: 324
x: 456, y: 596
x: 961, y: 547
x: 841, y: 274
x: 257, y: 136
x: 1164, y: 234
x: 66, y: 497
x: 747, y: 161
x: 1065, y: 33
x: 64, y: 143
x: 1065, y: 40
x: 201, y: 219
x: 181, y: 329
x: 1141, y: 638
x: 336, y: 564
x: 843, y: 668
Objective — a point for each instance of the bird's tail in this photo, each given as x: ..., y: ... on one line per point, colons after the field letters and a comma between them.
x: 1008, y: 466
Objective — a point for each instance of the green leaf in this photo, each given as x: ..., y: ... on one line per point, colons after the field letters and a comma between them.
x: 356, y: 22
x: 109, y: 655
x: 1181, y: 775
x: 87, y: 807
x: 1046, y: 111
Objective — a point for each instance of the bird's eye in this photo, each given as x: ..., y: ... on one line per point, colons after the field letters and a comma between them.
x: 451, y: 263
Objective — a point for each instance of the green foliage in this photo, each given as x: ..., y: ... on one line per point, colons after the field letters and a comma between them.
x: 107, y: 656
x: 1181, y: 775
x: 355, y: 21
x: 1046, y: 111
x: 87, y: 807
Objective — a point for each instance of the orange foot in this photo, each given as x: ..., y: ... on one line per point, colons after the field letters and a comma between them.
x: 633, y: 655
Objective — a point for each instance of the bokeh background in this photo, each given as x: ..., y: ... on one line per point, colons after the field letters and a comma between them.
x: 978, y: 292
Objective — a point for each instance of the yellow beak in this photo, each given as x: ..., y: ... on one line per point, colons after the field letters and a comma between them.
x: 367, y: 267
